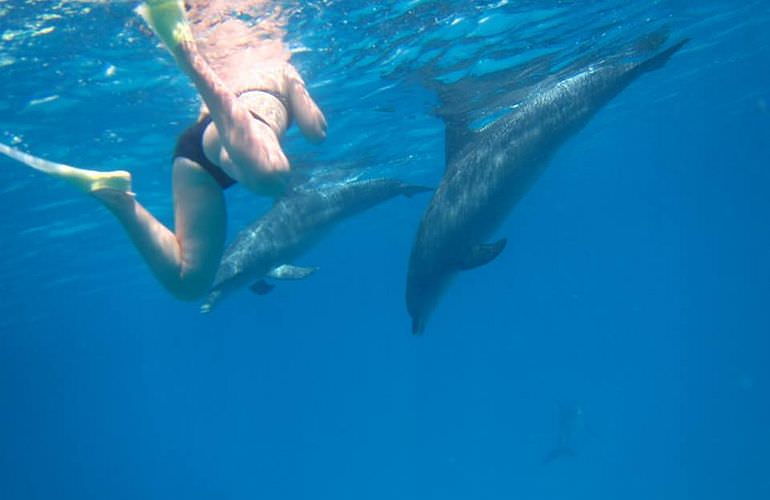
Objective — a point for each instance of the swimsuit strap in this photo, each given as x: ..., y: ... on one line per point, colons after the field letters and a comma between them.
x: 280, y: 97
x: 259, y: 118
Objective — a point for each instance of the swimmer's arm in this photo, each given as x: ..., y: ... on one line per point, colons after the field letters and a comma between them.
x: 309, y: 117
x: 241, y: 136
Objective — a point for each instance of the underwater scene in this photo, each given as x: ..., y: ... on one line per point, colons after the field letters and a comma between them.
x: 407, y: 249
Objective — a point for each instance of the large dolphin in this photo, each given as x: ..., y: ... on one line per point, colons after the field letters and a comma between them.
x: 296, y: 222
x: 489, y: 170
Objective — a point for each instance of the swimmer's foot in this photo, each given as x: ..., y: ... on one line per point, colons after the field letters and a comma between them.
x: 168, y: 21
x: 85, y: 180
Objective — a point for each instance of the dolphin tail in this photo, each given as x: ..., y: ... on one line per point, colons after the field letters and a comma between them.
x: 660, y: 59
x: 410, y: 190
x: 85, y: 180
x: 418, y: 326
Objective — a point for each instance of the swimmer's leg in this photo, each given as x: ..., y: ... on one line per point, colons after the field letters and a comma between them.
x: 85, y: 180
x: 167, y: 19
x: 241, y: 136
x: 184, y: 261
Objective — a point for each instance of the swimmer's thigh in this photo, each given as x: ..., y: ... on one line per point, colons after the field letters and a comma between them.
x: 200, y: 221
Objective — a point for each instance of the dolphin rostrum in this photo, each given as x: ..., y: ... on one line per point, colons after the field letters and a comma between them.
x: 296, y: 222
x: 489, y: 170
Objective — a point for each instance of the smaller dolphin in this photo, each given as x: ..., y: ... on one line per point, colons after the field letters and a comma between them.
x: 296, y: 222
x: 569, y: 418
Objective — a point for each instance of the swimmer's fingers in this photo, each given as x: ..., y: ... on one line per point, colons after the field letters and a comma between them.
x: 307, y: 113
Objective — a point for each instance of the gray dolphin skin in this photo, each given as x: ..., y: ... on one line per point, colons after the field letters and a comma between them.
x: 295, y: 223
x: 489, y: 170
x: 569, y: 417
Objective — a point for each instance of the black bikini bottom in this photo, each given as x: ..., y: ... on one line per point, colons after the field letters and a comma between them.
x: 190, y: 146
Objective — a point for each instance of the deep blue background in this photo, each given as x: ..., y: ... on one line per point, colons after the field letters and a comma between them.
x: 636, y: 282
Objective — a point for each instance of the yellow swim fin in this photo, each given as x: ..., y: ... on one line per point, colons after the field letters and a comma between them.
x: 85, y: 180
x: 167, y: 19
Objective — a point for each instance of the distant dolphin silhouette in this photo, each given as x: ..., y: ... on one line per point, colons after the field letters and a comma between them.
x: 296, y: 222
x: 489, y: 170
x: 568, y: 417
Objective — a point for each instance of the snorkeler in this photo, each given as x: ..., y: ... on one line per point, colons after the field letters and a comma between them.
x: 250, y: 95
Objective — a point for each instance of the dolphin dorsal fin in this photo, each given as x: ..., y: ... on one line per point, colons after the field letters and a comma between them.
x: 458, y: 104
x: 456, y: 135
x: 472, y: 98
x: 482, y: 254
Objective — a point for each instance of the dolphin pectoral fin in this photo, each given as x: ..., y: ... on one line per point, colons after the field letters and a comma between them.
x: 659, y: 60
x: 261, y: 287
x: 207, y: 306
x: 288, y: 272
x: 482, y: 254
x: 410, y: 190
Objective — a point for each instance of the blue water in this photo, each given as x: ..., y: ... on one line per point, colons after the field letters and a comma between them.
x: 635, y: 284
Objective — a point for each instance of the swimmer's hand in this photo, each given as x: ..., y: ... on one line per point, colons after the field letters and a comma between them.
x: 250, y: 151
